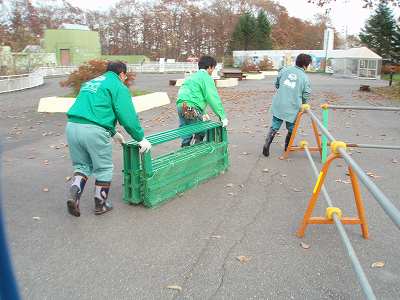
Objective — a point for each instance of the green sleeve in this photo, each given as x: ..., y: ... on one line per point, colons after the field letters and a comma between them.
x: 306, y: 91
x: 212, y: 98
x: 126, y: 114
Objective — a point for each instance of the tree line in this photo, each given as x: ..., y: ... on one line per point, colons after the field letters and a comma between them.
x: 166, y: 28
x: 181, y: 28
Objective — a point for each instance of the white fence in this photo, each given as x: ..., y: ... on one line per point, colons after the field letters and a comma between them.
x: 20, y: 82
x: 163, y: 67
x: 26, y: 81
x: 57, y: 71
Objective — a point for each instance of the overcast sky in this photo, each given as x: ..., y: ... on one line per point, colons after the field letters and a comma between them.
x: 344, y: 13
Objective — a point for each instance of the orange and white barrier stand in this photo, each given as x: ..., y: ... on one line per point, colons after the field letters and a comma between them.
x: 328, y: 218
x: 291, y: 147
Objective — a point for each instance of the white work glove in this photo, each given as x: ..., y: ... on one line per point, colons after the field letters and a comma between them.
x: 224, y: 122
x: 144, y: 146
x: 119, y: 138
x: 206, y: 117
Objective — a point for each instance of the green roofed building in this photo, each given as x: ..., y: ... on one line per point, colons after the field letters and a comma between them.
x: 73, y: 44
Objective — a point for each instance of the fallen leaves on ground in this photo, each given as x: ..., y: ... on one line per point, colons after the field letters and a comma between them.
x: 174, y: 287
x: 243, y: 259
x: 304, y: 245
x: 372, y: 175
x: 215, y: 236
x: 343, y: 181
x: 378, y: 264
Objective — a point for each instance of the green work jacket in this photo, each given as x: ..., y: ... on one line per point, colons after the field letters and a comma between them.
x: 103, y: 101
x: 198, y: 90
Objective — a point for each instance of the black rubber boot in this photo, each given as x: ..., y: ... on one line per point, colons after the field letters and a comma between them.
x: 101, y: 205
x: 287, y: 140
x: 73, y: 203
x: 75, y: 191
x: 198, y: 138
x: 186, y: 144
x: 268, y: 141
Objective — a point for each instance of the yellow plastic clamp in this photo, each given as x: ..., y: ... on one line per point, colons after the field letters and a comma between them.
x: 303, y: 144
x: 335, y: 145
x: 305, y: 107
x: 333, y: 210
x: 325, y: 106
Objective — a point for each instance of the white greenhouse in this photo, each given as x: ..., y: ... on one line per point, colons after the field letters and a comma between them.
x: 354, y: 62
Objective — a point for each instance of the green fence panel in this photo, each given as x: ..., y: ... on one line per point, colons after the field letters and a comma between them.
x: 152, y: 181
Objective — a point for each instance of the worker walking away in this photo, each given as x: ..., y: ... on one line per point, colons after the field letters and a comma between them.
x: 293, y: 90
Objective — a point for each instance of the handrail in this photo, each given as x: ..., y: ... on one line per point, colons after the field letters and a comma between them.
x: 379, y: 196
x: 362, y: 278
x: 361, y: 107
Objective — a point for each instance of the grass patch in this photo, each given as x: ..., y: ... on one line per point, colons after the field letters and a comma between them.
x: 396, y: 77
x: 389, y: 92
x: 133, y: 93
x: 140, y: 92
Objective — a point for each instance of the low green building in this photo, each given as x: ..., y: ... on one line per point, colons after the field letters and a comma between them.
x: 73, y: 44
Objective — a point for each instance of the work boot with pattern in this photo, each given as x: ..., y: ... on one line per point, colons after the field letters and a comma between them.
x: 268, y: 141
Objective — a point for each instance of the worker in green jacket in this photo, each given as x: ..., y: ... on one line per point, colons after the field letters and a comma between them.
x: 196, y: 92
x: 293, y: 90
x: 101, y: 102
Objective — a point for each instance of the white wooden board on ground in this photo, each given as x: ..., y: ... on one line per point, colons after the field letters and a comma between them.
x: 179, y: 82
x: 258, y: 76
x: 270, y: 73
x: 141, y: 103
x: 229, y: 82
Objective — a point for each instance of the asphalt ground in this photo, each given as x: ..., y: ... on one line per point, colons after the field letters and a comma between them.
x: 193, y: 242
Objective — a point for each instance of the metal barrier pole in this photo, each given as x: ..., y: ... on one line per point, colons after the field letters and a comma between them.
x: 362, y: 278
x: 384, y: 202
x: 321, y: 126
x: 373, y: 146
x: 360, y: 107
x: 316, y: 173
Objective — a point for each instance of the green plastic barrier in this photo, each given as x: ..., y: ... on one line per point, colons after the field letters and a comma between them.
x: 325, y: 114
x: 152, y: 181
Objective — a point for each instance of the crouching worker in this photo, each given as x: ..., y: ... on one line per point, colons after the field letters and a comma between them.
x: 101, y: 102
x: 293, y: 90
x: 196, y: 92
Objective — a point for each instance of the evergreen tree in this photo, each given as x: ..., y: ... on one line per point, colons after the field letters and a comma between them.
x: 396, y: 45
x: 379, y: 30
x: 244, y: 35
x: 263, y: 32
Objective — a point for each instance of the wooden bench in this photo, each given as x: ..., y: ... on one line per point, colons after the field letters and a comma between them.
x: 234, y: 74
